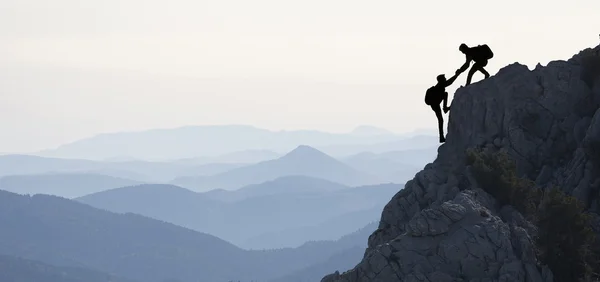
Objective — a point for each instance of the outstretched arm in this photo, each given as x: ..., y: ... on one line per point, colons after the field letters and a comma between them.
x: 465, y: 66
x: 452, y: 79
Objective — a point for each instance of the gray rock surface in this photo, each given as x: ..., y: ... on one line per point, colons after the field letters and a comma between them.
x: 443, y: 227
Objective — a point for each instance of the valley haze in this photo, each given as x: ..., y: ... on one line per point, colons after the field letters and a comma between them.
x: 263, y: 195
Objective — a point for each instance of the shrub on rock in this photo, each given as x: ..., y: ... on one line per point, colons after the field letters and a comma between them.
x: 565, y: 237
x: 565, y: 240
x: 496, y: 173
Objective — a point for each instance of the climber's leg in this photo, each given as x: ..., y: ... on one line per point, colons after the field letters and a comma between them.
x: 482, y: 70
x: 478, y: 66
x: 487, y: 74
x: 470, y: 74
x: 445, y: 99
x: 438, y: 113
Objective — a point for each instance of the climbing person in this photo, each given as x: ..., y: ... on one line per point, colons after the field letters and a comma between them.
x: 480, y: 54
x: 435, y: 95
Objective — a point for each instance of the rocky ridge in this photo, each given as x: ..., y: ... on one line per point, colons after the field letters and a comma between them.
x: 443, y: 227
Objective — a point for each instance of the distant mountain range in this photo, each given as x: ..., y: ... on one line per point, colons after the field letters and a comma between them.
x: 244, y: 157
x: 74, y: 177
x: 415, y: 142
x: 308, y: 202
x: 286, y: 185
x: 330, y: 229
x: 388, y: 166
x: 218, y: 206
x: 340, y: 261
x: 68, y: 185
x: 14, y: 269
x: 403, y: 157
x: 392, y: 166
x: 60, y: 232
x: 142, y: 171
x: 209, y: 141
x: 303, y: 160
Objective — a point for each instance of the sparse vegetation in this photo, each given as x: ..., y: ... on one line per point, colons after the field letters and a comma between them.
x: 497, y: 174
x: 565, y: 239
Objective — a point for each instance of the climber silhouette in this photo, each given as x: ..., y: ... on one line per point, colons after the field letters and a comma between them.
x: 435, y: 95
x: 480, y: 54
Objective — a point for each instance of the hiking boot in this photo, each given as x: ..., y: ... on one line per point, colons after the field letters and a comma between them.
x: 442, y: 139
x: 446, y: 109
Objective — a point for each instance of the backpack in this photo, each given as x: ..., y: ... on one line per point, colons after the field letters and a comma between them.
x: 430, y: 95
x: 482, y: 52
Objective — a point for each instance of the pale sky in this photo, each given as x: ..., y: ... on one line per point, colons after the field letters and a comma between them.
x: 70, y: 69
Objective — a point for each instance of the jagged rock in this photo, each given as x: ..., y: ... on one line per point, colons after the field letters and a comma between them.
x: 443, y: 227
x: 460, y: 238
x: 431, y: 222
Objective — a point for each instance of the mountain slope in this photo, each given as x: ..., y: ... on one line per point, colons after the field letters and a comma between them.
x: 13, y: 269
x: 62, y: 232
x: 68, y: 185
x: 394, y: 166
x: 444, y: 226
x: 178, y: 143
x: 113, y: 172
x: 25, y: 164
x: 141, y: 170
x: 417, y: 157
x: 345, y: 259
x: 286, y: 185
x: 254, y: 214
x: 159, y: 201
x: 330, y: 229
x: 239, y: 157
x: 415, y: 142
x: 303, y: 160
x: 340, y: 261
x: 209, y: 169
x: 65, y: 233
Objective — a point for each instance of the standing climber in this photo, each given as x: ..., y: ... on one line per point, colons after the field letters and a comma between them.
x: 435, y: 95
x: 480, y: 54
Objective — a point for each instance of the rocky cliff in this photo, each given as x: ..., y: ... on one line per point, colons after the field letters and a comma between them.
x: 444, y: 227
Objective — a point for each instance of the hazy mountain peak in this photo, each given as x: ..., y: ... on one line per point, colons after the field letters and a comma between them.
x: 303, y: 160
x: 210, y: 141
x: 305, y: 151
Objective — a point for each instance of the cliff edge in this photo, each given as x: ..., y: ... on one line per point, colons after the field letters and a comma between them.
x: 444, y: 226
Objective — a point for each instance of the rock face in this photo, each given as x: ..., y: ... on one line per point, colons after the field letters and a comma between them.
x: 443, y: 227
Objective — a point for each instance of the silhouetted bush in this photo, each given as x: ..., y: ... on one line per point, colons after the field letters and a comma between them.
x: 497, y: 174
x: 565, y: 240
x: 565, y: 237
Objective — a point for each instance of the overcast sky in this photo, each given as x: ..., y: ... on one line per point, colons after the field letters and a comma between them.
x: 70, y: 69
